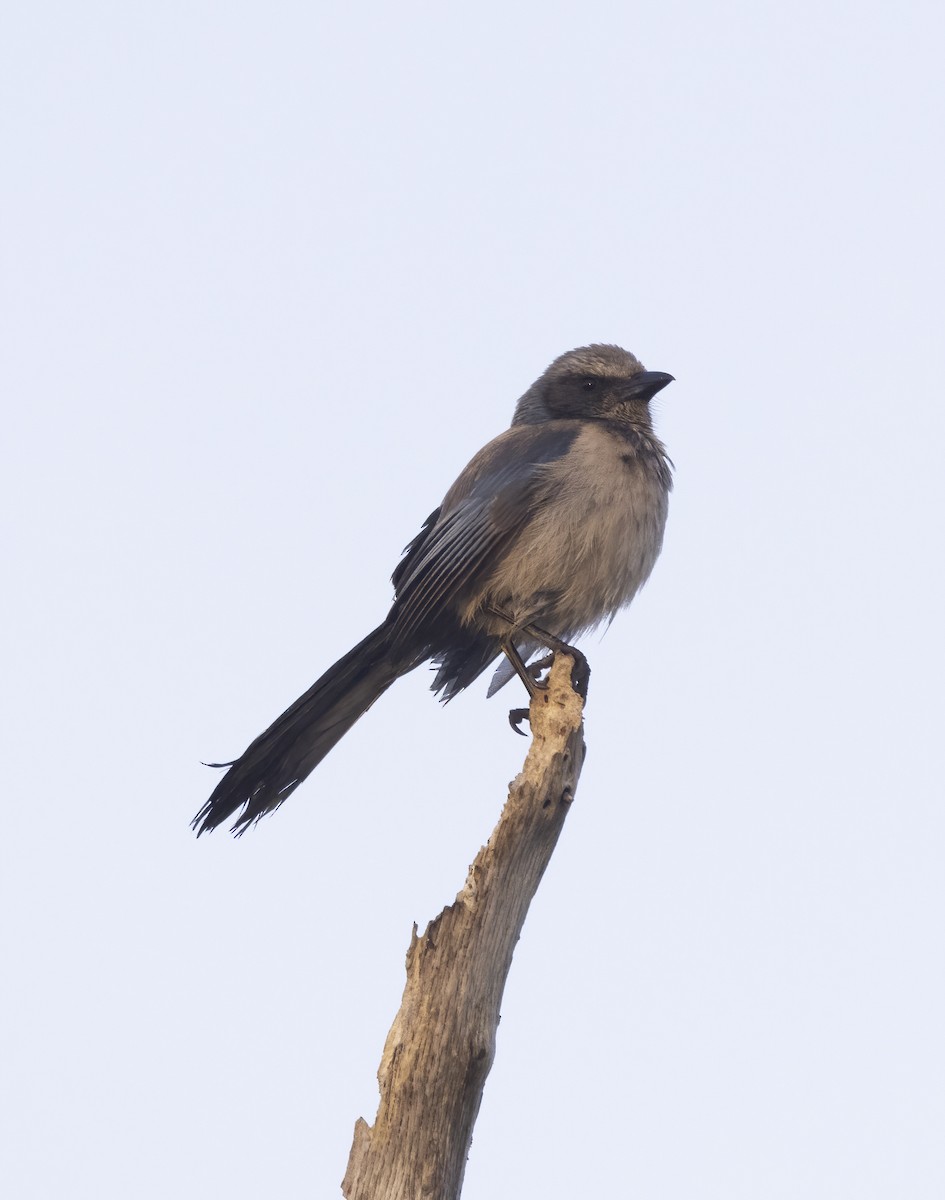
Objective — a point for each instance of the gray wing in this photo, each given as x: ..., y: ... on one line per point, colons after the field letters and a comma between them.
x: 492, y: 500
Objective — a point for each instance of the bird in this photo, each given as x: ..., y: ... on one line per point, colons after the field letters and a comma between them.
x: 549, y: 531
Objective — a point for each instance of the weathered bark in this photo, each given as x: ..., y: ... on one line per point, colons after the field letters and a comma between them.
x: 442, y: 1043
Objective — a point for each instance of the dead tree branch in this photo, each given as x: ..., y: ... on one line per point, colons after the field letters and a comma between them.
x: 442, y: 1043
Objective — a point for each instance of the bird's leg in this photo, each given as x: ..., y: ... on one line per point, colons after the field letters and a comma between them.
x: 521, y: 670
x: 517, y: 715
x: 581, y: 675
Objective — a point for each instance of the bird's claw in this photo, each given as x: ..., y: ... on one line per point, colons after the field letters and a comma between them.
x: 581, y: 675
x: 516, y: 716
x: 539, y: 666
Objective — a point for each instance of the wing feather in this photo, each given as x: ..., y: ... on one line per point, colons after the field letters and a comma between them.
x: 456, y: 552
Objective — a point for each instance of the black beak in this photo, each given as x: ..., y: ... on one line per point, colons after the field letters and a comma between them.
x: 645, y: 385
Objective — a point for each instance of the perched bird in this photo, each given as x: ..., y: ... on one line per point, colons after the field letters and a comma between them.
x: 550, y: 530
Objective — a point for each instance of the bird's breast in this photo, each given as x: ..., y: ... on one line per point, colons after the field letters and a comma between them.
x: 594, y: 536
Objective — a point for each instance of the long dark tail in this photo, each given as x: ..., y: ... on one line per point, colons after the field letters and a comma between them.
x: 274, y: 765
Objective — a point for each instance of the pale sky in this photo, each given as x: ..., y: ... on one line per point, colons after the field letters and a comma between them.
x: 271, y: 274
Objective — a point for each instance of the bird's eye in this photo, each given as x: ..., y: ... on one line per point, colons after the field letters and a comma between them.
x: 589, y: 385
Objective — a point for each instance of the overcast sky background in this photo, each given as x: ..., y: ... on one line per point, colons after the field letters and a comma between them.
x: 271, y: 273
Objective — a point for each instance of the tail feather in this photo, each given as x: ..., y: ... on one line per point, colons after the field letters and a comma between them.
x: 274, y: 765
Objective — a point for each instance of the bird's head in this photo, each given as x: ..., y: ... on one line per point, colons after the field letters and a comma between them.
x: 602, y: 382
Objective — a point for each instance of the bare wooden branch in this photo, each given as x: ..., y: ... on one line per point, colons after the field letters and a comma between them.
x: 442, y: 1043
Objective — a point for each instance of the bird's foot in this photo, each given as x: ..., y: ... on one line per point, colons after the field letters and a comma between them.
x: 581, y: 672
x: 538, y: 668
x: 580, y: 679
x: 516, y: 716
